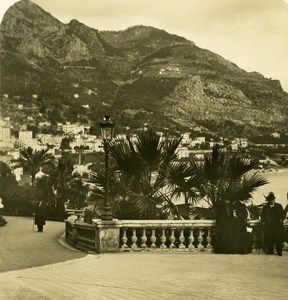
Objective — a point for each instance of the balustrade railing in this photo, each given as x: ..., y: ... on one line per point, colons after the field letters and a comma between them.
x: 166, y: 235
x: 155, y: 235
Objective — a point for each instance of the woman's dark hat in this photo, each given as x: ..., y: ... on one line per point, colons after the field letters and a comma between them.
x: 270, y: 196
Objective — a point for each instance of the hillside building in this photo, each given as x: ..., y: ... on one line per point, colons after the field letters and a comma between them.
x: 25, y: 136
x: 5, y: 133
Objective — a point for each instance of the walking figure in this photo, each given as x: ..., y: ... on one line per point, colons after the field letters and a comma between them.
x: 40, y: 216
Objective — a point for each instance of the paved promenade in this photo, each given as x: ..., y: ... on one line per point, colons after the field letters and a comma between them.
x: 148, y: 276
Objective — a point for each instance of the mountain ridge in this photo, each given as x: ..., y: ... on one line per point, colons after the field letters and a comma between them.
x: 159, y: 77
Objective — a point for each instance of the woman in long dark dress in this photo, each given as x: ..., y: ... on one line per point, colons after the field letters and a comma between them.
x: 224, y: 228
x: 240, y: 213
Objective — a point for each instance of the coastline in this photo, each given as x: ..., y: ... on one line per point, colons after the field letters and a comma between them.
x: 277, y: 183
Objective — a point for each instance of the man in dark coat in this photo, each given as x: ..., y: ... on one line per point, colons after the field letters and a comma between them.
x: 240, y: 214
x: 272, y: 218
x: 40, y: 216
x: 224, y: 223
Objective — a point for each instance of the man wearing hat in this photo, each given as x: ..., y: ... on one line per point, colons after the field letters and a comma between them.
x: 272, y: 218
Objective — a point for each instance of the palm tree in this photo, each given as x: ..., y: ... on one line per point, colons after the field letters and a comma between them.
x: 80, y: 150
x: 145, y: 166
x: 62, y: 186
x: 33, y: 160
x: 226, y: 176
x: 61, y: 177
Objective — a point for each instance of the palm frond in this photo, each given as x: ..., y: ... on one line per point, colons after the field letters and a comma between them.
x: 149, y: 148
x: 237, y: 166
x: 127, y: 162
x: 169, y: 147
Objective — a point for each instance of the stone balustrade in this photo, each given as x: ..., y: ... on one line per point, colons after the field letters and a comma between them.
x: 80, y: 235
x: 151, y: 235
x: 167, y: 235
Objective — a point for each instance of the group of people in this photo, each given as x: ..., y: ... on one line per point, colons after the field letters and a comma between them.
x: 234, y: 234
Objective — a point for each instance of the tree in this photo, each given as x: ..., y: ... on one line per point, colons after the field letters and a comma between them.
x: 66, y: 187
x: 145, y: 166
x: 65, y: 143
x: 226, y: 176
x: 8, y: 183
x: 80, y: 150
x: 32, y: 160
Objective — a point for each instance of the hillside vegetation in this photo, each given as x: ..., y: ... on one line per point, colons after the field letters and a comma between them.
x: 171, y: 81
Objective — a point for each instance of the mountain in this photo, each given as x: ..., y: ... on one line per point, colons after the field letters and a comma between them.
x: 139, y: 75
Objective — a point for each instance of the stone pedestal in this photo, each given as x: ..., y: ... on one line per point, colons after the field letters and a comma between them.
x: 107, y: 235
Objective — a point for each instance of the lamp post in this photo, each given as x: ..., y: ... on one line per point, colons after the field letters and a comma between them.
x: 107, y: 128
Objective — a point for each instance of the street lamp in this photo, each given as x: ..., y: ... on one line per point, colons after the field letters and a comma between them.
x: 107, y: 128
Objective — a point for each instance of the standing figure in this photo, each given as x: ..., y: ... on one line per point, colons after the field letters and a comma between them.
x: 40, y: 216
x: 224, y: 225
x: 241, y: 215
x: 272, y: 221
x: 2, y: 220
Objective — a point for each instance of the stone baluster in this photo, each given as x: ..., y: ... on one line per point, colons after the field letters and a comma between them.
x: 153, y: 239
x: 134, y: 240
x: 172, y: 239
x: 191, y: 247
x: 163, y: 240
x: 182, y: 239
x: 200, y: 247
x: 209, y: 246
x: 124, y: 239
x: 144, y: 240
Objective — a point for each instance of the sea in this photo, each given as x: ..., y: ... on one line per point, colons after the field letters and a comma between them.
x: 278, y: 184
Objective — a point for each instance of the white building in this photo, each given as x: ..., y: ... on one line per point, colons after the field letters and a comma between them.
x: 98, y: 145
x: 25, y: 136
x: 183, y: 152
x: 49, y: 139
x: 14, y: 153
x: 73, y: 128
x: 244, y: 143
x: 5, y: 133
x: 200, y: 139
x: 186, y: 138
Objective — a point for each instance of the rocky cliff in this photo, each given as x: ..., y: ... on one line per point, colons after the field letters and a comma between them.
x: 141, y: 74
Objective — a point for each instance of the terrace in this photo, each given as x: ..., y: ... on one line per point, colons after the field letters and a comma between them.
x: 151, y: 235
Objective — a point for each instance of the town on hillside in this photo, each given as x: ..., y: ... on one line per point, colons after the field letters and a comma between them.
x: 19, y: 132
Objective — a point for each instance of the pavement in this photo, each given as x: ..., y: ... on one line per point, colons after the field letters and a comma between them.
x: 140, y: 275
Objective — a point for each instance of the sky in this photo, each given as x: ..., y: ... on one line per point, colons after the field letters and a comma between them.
x: 251, y: 33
